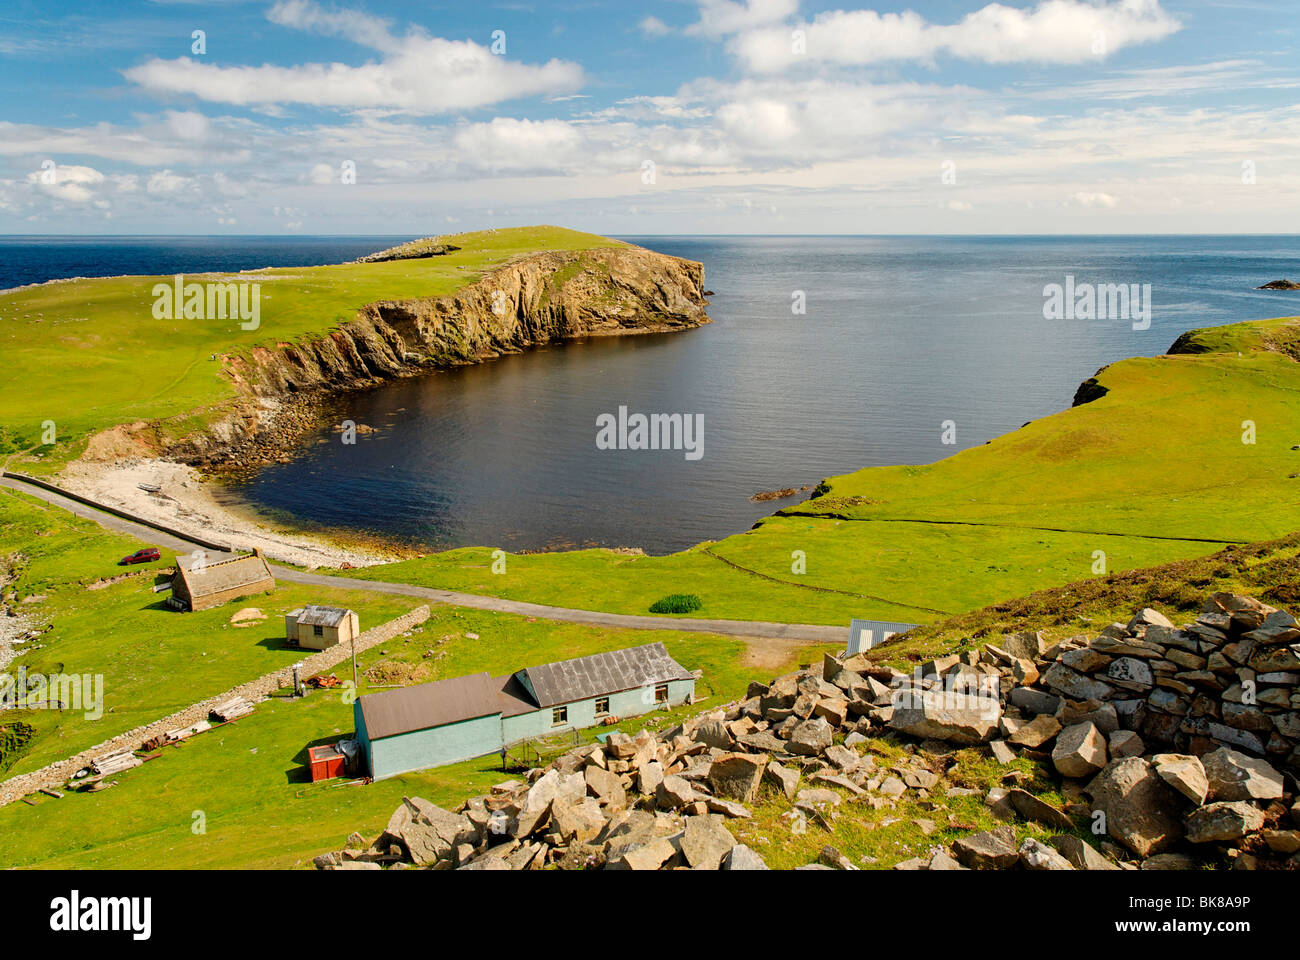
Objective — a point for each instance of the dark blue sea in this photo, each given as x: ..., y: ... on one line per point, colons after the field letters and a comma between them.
x: 900, y: 336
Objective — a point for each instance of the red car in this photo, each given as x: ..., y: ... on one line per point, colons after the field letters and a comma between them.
x: 147, y: 555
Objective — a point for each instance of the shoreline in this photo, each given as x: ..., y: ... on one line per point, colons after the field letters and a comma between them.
x: 188, y: 503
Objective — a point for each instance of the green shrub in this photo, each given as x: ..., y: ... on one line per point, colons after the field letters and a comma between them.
x: 677, y: 603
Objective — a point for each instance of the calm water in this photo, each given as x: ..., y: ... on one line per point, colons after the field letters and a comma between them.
x: 900, y: 335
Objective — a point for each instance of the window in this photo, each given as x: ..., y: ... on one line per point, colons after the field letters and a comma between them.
x: 559, y: 715
x: 661, y: 693
x: 317, y: 630
x: 602, y: 706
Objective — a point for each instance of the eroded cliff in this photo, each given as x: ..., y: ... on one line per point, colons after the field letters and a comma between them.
x: 535, y: 300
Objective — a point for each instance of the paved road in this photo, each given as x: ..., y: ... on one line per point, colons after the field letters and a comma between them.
x: 737, y: 628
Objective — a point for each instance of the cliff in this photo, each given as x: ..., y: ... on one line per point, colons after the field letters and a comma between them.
x: 531, y: 301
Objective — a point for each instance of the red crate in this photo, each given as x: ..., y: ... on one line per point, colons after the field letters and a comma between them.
x: 326, y: 762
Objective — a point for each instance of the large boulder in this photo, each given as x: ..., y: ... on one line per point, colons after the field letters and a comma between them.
x: 1235, y: 776
x: 1074, y: 685
x: 1221, y: 822
x: 431, y: 833
x: 737, y: 775
x: 1080, y: 751
x: 1142, y: 811
x: 706, y: 841
x: 941, y: 715
x: 810, y: 737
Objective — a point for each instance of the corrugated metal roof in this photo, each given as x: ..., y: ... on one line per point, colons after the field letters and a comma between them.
x: 312, y: 615
x: 430, y: 705
x: 602, y: 673
x: 225, y: 574
x: 864, y: 634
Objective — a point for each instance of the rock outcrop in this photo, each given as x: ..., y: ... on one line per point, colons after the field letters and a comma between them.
x: 531, y: 301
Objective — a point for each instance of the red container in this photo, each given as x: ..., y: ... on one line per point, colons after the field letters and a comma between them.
x: 326, y: 762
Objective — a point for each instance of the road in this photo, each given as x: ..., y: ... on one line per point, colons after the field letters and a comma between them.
x: 141, y: 530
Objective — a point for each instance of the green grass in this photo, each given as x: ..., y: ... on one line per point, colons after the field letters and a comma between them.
x: 249, y: 778
x: 1153, y: 471
x: 88, y: 354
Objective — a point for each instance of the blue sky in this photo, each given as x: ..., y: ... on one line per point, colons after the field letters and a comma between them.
x: 707, y: 116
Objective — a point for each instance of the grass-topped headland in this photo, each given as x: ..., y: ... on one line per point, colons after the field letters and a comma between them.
x: 86, y: 355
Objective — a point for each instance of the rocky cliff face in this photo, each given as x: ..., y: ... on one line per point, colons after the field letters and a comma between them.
x: 535, y: 300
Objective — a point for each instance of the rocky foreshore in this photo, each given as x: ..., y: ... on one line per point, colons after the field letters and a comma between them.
x: 1177, y: 746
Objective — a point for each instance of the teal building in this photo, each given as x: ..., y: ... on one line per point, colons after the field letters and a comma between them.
x: 432, y: 724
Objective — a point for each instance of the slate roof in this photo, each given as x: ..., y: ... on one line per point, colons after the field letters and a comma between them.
x: 313, y: 615
x: 602, y: 673
x: 220, y: 572
x: 430, y: 705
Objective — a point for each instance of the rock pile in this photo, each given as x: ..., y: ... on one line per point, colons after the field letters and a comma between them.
x: 1216, y: 700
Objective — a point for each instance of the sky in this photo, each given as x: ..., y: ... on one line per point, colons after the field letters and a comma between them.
x: 678, y: 117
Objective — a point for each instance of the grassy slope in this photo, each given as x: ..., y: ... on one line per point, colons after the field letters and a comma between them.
x: 89, y: 354
x: 1159, y: 456
x: 248, y: 778
x: 153, y: 660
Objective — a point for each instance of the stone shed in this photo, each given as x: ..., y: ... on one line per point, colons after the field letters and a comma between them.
x: 207, y: 580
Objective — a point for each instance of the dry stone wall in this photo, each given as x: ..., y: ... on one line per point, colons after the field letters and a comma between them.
x: 58, y: 773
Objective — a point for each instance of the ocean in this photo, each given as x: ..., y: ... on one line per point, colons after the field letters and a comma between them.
x: 826, y: 355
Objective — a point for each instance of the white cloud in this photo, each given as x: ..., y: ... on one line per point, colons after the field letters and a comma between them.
x: 1055, y: 31
x: 418, y: 73
x: 164, y: 181
x: 1094, y: 199
x: 721, y: 17
x: 67, y: 182
x: 654, y: 27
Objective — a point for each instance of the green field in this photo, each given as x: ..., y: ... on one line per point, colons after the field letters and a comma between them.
x: 89, y: 355
x: 249, y: 778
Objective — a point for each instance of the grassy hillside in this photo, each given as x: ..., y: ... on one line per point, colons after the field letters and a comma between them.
x: 1153, y: 471
x: 88, y: 354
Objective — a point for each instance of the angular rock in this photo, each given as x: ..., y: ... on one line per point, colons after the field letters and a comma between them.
x: 1080, y: 751
x: 988, y: 850
x: 1220, y: 822
x: 705, y: 842
x: 1184, y: 773
x: 1032, y: 808
x: 1081, y: 854
x: 673, y: 793
x: 737, y: 775
x: 1142, y: 811
x: 1235, y: 776
x: 810, y: 737
x: 938, y: 714
x: 741, y: 857
x: 785, y: 779
x: 1039, y: 856
x: 1075, y: 685
x: 1036, y: 732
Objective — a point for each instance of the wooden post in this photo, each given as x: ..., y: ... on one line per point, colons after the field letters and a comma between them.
x: 354, y: 661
